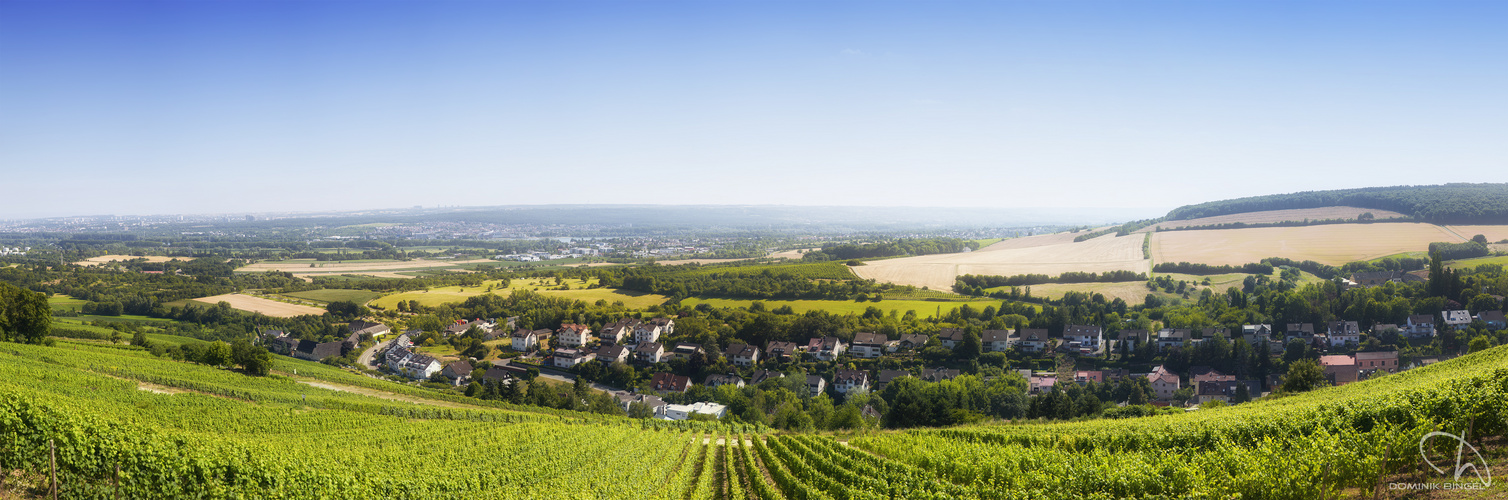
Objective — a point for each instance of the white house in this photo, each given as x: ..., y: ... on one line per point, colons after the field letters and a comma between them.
x: 998, y: 340
x: 1457, y: 319
x: 742, y: 354
x: 868, y: 345
x: 525, y: 340
x: 646, y: 332
x: 684, y: 412
x: 1089, y: 337
x: 413, y: 365
x: 1172, y: 337
x: 574, y: 335
x: 1341, y: 333
x: 1421, y: 325
x: 1033, y: 340
x: 568, y: 358
x: 649, y: 352
x: 851, y: 380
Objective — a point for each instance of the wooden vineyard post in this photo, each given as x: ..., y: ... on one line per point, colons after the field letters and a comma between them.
x: 1382, y: 473
x: 115, y: 481
x: 52, y: 467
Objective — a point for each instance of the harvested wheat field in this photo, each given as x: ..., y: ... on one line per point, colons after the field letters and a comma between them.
x: 1332, y: 244
x: 792, y: 254
x: 1047, y: 254
x: 1269, y: 216
x: 103, y: 259
x: 255, y: 304
x: 1494, y: 234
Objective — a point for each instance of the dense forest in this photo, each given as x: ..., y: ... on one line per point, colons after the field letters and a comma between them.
x: 1446, y: 204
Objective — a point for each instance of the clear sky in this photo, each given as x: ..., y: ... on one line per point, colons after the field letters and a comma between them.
x: 224, y: 107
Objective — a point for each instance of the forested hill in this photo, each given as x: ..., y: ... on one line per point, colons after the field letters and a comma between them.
x: 1450, y: 203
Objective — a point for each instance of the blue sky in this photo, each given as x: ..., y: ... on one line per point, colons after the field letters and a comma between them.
x: 231, y: 107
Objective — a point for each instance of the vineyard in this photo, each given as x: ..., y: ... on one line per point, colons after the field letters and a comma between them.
x: 220, y: 434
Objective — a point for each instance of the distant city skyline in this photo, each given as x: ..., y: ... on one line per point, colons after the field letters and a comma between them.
x: 155, y: 108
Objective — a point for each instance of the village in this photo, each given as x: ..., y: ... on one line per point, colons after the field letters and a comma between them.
x: 861, y: 360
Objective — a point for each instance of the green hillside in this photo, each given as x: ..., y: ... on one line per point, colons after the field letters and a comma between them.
x: 1459, y: 203
x: 181, y: 429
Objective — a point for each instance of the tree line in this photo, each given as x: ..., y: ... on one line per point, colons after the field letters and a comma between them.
x: 1459, y: 203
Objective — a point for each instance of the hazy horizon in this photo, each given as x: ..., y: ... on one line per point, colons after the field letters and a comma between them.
x: 155, y: 108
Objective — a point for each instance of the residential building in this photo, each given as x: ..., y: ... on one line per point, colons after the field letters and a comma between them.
x: 649, y: 352
x: 1494, y: 320
x: 569, y: 358
x: 669, y: 382
x: 816, y: 384
x: 1377, y: 361
x: 998, y: 340
x: 1199, y: 374
x: 1135, y: 338
x: 763, y: 375
x: 369, y: 328
x: 667, y: 325
x: 646, y: 332
x: 1421, y: 325
x: 497, y: 371
x: 1088, y: 337
x: 742, y: 354
x: 655, y: 404
x: 887, y: 375
x: 717, y: 380
x: 1226, y: 390
x: 826, y: 348
x: 411, y: 364
x: 610, y: 354
x: 950, y: 337
x: 910, y: 341
x: 315, y: 351
x: 574, y: 335
x: 458, y: 372
x: 868, y: 345
x: 1168, y: 338
x: 1041, y: 384
x: 1340, y: 369
x: 1341, y: 333
x: 1084, y: 377
x: 1457, y: 319
x: 939, y: 374
x: 1256, y: 334
x: 525, y: 340
x: 783, y: 351
x: 615, y: 332
x: 1164, y: 383
x: 685, y: 350
x: 851, y: 380
x: 1302, y: 331
x: 1034, y: 340
x: 684, y: 412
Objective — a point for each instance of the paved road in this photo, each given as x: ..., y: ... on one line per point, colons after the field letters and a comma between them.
x: 366, y: 358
